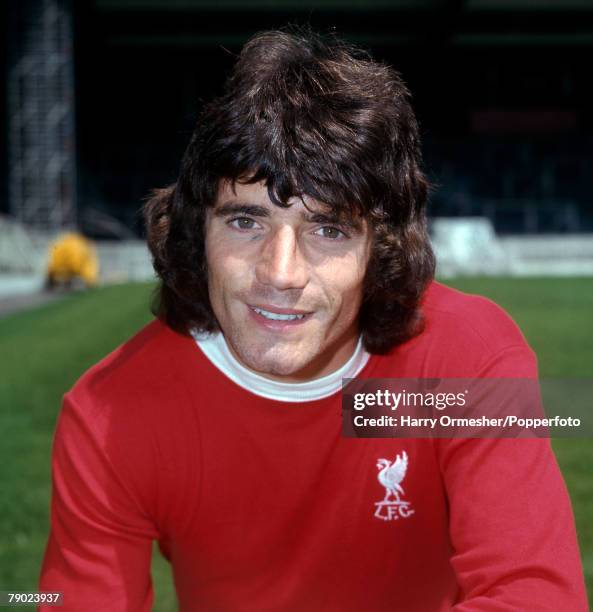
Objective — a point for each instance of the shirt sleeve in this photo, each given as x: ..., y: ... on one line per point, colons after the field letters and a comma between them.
x: 100, y: 542
x: 511, y: 522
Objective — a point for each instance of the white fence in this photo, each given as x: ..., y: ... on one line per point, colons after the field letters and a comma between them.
x: 24, y: 258
x: 469, y: 247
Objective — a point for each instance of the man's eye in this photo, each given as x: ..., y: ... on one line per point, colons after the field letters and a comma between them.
x: 243, y: 223
x: 333, y: 233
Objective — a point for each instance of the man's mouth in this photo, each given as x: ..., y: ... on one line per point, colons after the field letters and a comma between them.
x: 275, y: 316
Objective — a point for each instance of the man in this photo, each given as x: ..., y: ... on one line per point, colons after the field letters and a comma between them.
x: 293, y: 253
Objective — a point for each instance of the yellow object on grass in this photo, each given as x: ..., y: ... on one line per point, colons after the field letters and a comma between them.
x: 73, y: 256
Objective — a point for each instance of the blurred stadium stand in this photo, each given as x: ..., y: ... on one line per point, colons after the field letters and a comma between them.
x: 102, y: 96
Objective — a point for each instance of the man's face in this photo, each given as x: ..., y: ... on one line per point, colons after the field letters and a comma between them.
x: 285, y: 283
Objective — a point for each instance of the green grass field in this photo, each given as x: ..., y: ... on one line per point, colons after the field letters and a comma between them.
x: 44, y: 351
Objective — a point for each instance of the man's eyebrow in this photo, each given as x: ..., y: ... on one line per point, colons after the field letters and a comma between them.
x: 239, y: 208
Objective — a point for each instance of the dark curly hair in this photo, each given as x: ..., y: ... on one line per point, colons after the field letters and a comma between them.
x: 309, y: 115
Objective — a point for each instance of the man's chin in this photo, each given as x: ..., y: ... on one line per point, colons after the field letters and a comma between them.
x: 274, y: 367
x: 273, y: 364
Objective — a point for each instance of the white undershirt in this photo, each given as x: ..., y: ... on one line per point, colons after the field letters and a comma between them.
x: 215, y: 348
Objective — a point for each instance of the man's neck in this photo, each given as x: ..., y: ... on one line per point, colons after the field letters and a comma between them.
x: 318, y: 368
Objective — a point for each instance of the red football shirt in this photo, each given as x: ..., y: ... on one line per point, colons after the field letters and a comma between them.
x: 262, y: 505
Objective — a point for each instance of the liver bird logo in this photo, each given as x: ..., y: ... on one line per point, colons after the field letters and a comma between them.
x: 391, y: 475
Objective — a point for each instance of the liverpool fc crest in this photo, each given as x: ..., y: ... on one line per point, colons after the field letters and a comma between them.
x: 390, y: 476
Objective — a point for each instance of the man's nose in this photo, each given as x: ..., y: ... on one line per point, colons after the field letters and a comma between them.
x: 282, y: 264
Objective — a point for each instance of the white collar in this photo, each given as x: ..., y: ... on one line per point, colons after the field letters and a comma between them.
x: 215, y: 348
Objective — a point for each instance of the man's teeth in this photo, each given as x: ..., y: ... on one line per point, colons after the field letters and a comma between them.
x: 278, y: 317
